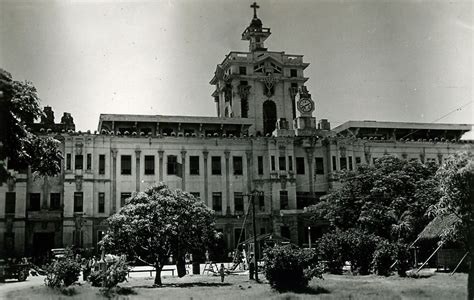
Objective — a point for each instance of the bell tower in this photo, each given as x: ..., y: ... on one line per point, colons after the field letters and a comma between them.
x: 255, y: 32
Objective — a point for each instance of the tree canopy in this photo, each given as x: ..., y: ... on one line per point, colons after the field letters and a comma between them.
x: 158, y: 223
x: 19, y: 106
x: 389, y: 198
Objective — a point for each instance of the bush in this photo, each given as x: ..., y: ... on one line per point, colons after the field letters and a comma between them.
x: 63, y: 272
x: 290, y: 268
x: 386, y: 254
x: 351, y: 245
x: 114, y: 274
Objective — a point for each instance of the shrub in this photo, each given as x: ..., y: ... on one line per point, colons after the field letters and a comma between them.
x: 331, y: 248
x: 290, y: 268
x: 383, y: 258
x: 63, y: 272
x: 114, y: 274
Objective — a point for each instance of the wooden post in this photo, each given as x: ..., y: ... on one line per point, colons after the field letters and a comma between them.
x: 255, y: 257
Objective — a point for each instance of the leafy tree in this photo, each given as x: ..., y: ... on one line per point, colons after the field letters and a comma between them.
x: 158, y: 223
x: 388, y: 199
x: 19, y: 106
x: 456, y: 177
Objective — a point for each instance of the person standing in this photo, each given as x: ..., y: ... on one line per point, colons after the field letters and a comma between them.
x: 251, y: 266
x: 222, y: 272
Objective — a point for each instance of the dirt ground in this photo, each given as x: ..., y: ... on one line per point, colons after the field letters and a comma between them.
x: 438, y: 286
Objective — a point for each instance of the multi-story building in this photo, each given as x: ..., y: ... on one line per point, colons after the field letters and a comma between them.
x: 264, y: 138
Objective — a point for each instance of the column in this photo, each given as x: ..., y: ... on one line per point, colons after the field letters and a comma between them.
x: 248, y: 155
x: 113, y: 197
x: 160, y: 165
x: 183, y: 170
x: 227, y: 181
x: 137, y: 169
x: 205, y: 154
x: 309, y: 153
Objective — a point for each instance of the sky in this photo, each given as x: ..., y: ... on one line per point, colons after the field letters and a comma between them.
x: 408, y: 61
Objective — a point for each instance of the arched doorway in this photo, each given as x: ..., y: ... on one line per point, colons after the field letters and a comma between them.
x: 269, y: 117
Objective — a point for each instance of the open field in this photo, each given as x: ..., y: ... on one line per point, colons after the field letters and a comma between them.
x: 438, y: 286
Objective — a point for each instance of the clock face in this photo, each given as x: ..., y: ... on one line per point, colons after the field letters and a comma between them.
x: 305, y: 105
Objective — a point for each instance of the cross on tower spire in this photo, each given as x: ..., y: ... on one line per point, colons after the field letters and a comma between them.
x: 254, y: 6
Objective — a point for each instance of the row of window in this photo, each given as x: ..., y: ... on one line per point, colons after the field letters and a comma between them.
x: 79, y: 162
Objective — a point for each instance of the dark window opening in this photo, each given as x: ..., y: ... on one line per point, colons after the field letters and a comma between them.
x: 55, y: 200
x: 260, y: 165
x: 35, y: 201
x: 78, y: 162
x: 261, y: 201
x: 78, y: 201
x: 334, y: 166
x: 242, y: 70
x: 10, y: 202
x: 290, y: 163
x: 126, y: 164
x: 194, y: 165
x: 293, y: 73
x: 283, y: 199
x: 239, y: 236
x: 272, y: 161
x: 300, y: 165
x: 172, y: 165
x: 167, y: 131
x: 358, y: 160
x: 343, y: 163
x: 217, y: 202
x: 285, y: 232
x: 238, y: 202
x: 101, y: 202
x: 350, y: 163
x: 68, y: 161
x: 237, y: 165
x: 269, y: 117
x: 123, y: 198
x: 89, y: 161
x: 149, y: 164
x: 102, y: 164
x: 216, y: 165
x: 282, y: 163
x: 319, y: 166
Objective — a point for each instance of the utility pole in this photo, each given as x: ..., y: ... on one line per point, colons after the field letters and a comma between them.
x: 255, y: 246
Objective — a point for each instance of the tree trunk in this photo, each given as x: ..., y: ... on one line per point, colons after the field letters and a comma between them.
x: 158, y: 268
x: 470, y: 277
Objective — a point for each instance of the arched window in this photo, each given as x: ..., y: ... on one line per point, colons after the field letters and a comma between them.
x: 269, y: 117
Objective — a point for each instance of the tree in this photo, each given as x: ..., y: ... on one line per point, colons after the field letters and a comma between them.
x: 158, y: 223
x: 388, y: 199
x: 456, y: 177
x: 19, y: 106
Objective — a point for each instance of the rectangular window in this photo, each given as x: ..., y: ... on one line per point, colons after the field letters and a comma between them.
x: 261, y: 201
x: 126, y: 165
x: 350, y: 163
x: 196, y: 195
x: 334, y: 166
x: 237, y: 165
x: 273, y: 162
x: 217, y: 202
x: 260, y: 165
x: 35, y: 201
x: 242, y: 70
x: 101, y: 202
x: 319, y: 162
x: 102, y: 164
x: 77, y: 236
x: 216, y: 165
x: 358, y: 161
x: 194, y: 165
x: 78, y: 162
x: 149, y: 164
x: 343, y: 163
x: 10, y: 202
x: 283, y: 199
x: 238, y: 202
x: 89, y: 161
x: 123, y: 198
x: 100, y: 235
x: 262, y: 230
x: 285, y: 232
x: 68, y: 161
x: 78, y: 201
x: 300, y: 165
x: 172, y: 165
x: 293, y: 73
x: 282, y: 163
x: 290, y: 163
x: 55, y: 200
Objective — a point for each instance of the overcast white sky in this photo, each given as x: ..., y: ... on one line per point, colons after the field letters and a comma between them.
x: 369, y: 60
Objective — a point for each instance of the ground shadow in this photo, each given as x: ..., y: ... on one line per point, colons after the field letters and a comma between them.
x: 185, y: 284
x: 309, y: 290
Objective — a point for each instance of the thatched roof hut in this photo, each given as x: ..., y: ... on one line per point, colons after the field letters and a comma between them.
x: 436, y: 227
